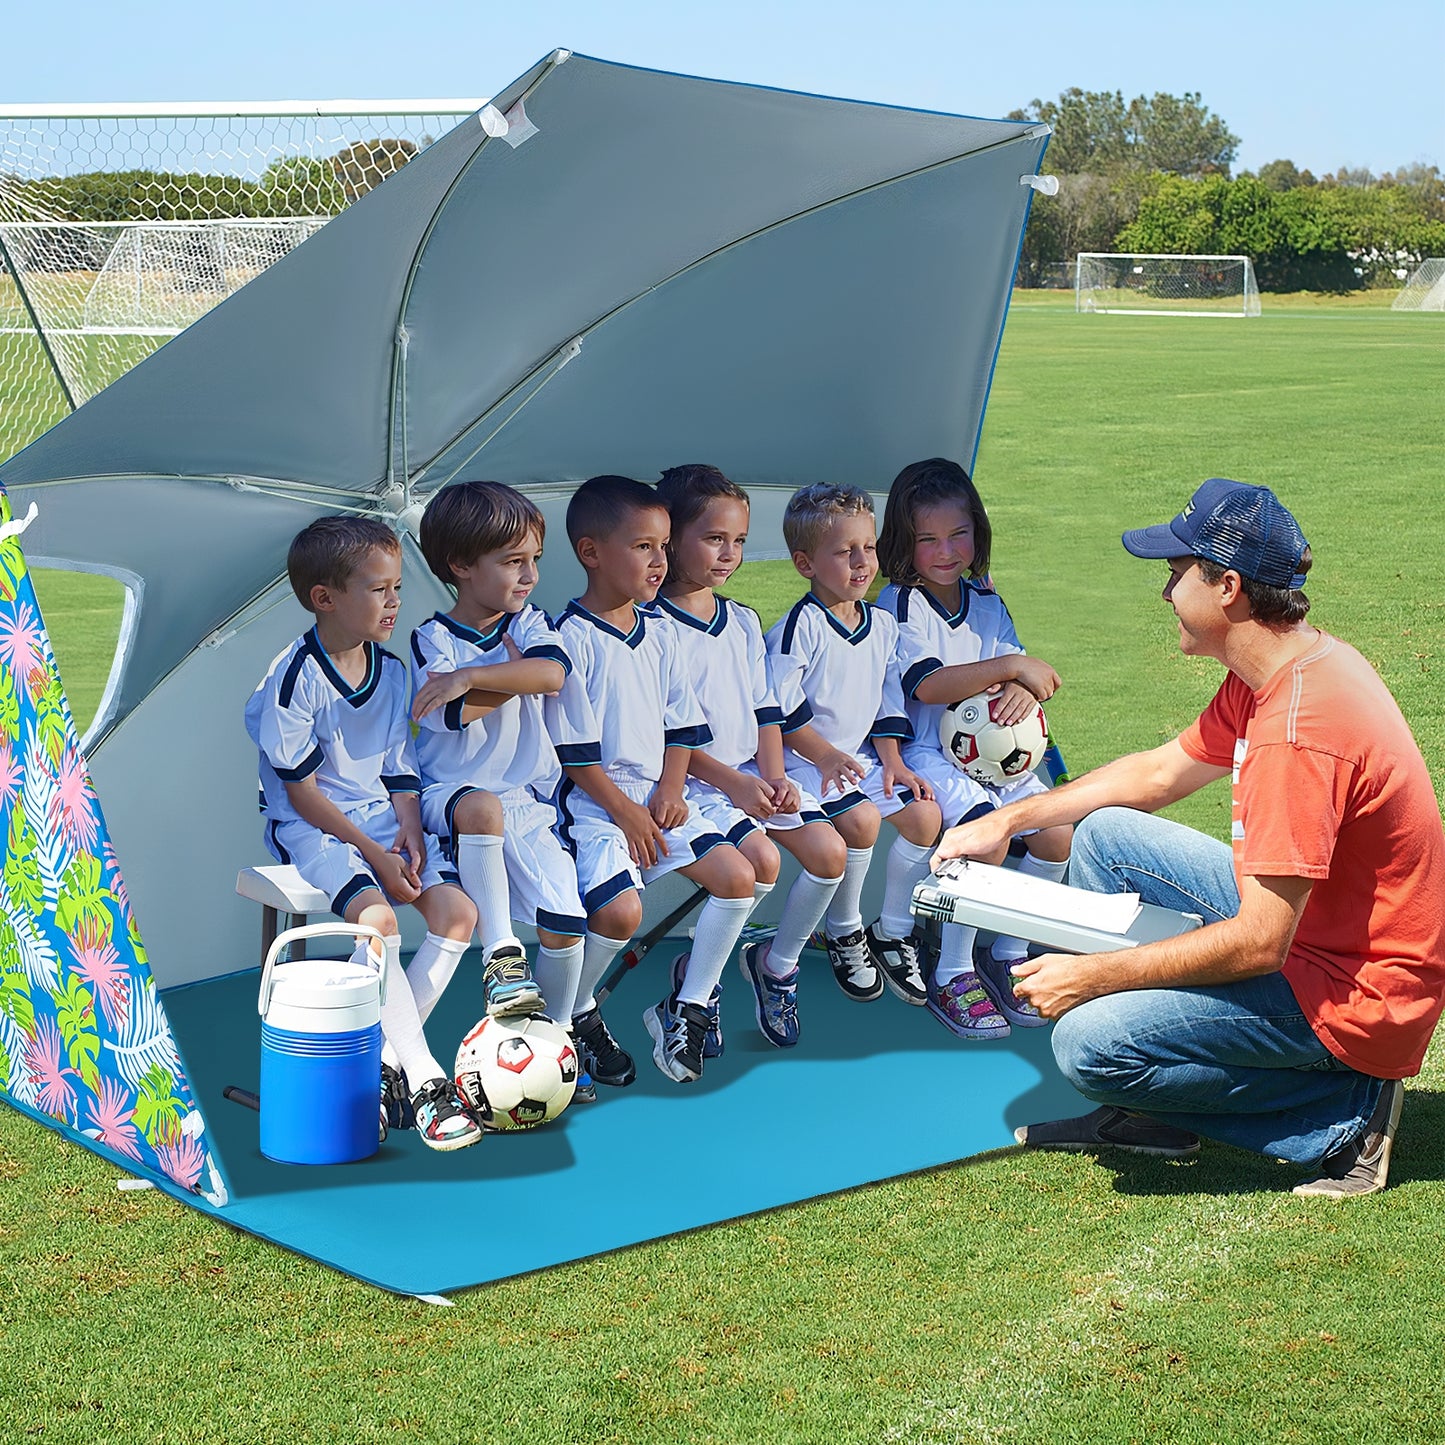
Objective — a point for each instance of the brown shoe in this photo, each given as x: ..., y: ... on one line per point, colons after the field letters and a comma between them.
x: 1362, y: 1167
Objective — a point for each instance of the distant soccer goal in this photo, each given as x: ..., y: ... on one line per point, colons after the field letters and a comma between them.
x: 1154, y: 285
x: 1425, y: 290
x: 122, y: 224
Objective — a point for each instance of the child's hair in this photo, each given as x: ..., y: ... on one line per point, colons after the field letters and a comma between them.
x: 602, y: 504
x: 468, y: 519
x: 327, y: 552
x: 811, y: 510
x: 686, y: 491
x: 925, y: 484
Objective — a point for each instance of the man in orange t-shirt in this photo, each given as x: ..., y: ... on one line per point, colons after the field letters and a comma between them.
x: 1286, y: 1023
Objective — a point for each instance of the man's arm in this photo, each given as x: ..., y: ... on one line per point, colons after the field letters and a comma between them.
x: 1147, y: 781
x: 1254, y: 942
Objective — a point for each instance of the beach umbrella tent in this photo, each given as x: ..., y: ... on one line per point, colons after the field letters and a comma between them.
x: 607, y: 269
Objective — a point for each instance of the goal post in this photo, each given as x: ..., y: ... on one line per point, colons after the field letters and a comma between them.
x: 1148, y: 284
x: 1425, y: 290
x: 122, y: 224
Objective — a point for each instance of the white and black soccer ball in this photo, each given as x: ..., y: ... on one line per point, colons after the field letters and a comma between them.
x: 516, y: 1073
x: 986, y: 750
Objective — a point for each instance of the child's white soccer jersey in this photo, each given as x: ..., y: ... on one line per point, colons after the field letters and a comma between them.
x: 846, y: 684
x: 508, y: 753
x: 627, y: 698
x: 727, y: 661
x: 932, y: 636
x: 307, y: 720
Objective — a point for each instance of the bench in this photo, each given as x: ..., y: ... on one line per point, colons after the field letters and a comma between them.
x: 279, y: 889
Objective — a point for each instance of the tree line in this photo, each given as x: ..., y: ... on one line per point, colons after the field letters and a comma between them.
x: 1153, y: 174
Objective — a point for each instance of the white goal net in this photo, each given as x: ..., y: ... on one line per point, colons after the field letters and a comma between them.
x: 1155, y: 285
x: 1425, y: 290
x: 121, y: 225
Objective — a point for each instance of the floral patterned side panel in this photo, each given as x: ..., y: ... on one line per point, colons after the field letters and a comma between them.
x: 83, y: 1034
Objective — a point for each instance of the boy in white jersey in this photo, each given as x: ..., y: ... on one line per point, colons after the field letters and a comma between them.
x: 837, y: 680
x: 340, y: 786
x: 625, y: 724
x: 739, y: 779
x: 489, y: 771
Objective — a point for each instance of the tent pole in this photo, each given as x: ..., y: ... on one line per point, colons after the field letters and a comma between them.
x: 9, y: 263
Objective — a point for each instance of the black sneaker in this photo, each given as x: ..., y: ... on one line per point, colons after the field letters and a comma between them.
x: 678, y: 1030
x: 507, y: 981
x: 1110, y: 1128
x: 858, y: 976
x: 602, y: 1056
x: 396, y: 1110
x: 897, y: 960
x: 1362, y: 1167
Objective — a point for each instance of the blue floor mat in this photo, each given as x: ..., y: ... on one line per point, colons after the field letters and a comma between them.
x: 871, y: 1091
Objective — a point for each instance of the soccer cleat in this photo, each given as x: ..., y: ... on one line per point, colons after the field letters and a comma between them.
x: 897, y: 960
x: 395, y: 1102
x: 1110, y: 1128
x: 777, y: 998
x: 678, y: 1030
x: 1362, y: 1166
x: 964, y: 1008
x: 858, y: 976
x: 713, y: 1045
x: 996, y: 975
x: 441, y: 1119
x: 508, y: 983
x: 602, y: 1056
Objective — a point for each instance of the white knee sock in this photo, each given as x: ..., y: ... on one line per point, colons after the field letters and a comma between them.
x: 401, y: 1024
x: 843, y: 916
x: 557, y: 974
x: 713, y: 940
x: 806, y: 900
x: 432, y: 969
x: 761, y: 891
x: 597, y: 955
x: 907, y: 866
x: 955, y: 952
x: 1009, y: 947
x: 484, y: 879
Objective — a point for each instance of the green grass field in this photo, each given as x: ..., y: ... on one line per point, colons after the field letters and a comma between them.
x: 1013, y: 1298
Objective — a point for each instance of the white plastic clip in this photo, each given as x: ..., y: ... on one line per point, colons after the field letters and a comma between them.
x: 130, y: 1186
x: 493, y: 121
x: 1044, y: 185
x: 1040, y: 131
x: 570, y: 352
x: 16, y: 525
x: 519, y: 128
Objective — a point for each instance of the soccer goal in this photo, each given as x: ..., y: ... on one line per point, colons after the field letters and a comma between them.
x: 122, y: 224
x: 1425, y: 290
x: 1157, y: 285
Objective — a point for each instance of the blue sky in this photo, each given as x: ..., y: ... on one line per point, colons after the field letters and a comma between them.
x: 1324, y: 83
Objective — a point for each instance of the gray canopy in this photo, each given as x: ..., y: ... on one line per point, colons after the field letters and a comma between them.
x: 606, y: 270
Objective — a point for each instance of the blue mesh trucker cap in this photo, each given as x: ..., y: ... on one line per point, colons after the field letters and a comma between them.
x: 1247, y: 529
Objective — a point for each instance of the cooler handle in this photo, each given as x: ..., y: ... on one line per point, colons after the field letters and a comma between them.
x: 318, y: 930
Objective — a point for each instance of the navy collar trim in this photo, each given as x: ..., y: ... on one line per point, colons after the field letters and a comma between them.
x: 954, y: 619
x: 632, y: 639
x: 485, y: 640
x: 362, y: 693
x: 864, y: 627
x: 713, y: 628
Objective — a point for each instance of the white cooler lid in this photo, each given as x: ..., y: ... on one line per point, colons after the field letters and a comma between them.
x: 324, y: 983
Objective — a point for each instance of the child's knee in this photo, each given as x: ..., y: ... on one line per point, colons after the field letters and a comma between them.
x: 478, y: 812
x: 449, y: 913
x: 762, y: 856
x: 920, y: 822
x: 1052, y: 845
x: 557, y: 942
x: 372, y: 911
x: 725, y: 873
x: 620, y: 917
x: 859, y: 825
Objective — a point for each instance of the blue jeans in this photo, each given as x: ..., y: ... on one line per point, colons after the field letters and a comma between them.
x: 1237, y: 1062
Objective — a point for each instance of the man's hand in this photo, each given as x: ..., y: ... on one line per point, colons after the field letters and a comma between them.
x: 1056, y: 982
x: 439, y: 689
x: 985, y: 838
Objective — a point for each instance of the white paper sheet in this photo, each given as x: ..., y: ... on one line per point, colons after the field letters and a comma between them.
x: 1007, y: 888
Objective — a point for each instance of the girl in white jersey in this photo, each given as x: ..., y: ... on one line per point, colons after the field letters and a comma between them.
x: 738, y: 780
x: 955, y: 639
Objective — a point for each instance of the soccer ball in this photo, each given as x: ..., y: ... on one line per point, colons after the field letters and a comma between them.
x: 516, y: 1073
x: 988, y: 751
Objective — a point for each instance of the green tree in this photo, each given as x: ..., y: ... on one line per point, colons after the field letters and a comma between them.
x: 368, y: 163
x: 1283, y: 175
